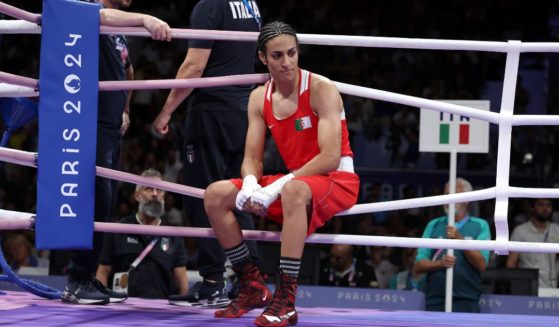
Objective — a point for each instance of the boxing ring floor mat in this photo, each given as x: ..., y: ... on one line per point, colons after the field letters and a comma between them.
x: 25, y: 309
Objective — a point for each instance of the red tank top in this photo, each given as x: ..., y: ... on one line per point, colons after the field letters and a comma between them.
x: 297, y: 135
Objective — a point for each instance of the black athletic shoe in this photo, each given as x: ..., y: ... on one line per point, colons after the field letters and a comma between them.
x: 114, y: 297
x: 203, y: 295
x: 83, y: 292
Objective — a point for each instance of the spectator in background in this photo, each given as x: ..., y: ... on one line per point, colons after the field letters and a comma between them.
x: 468, y: 264
x: 342, y: 268
x: 173, y: 214
x: 384, y: 269
x: 538, y: 229
x: 19, y: 252
x: 162, y: 271
x: 405, y: 279
x: 173, y: 165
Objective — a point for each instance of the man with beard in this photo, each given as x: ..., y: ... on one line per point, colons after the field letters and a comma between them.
x: 145, y: 266
x: 468, y: 264
x: 538, y: 229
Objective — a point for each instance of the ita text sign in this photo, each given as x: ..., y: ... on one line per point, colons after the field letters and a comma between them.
x: 443, y: 132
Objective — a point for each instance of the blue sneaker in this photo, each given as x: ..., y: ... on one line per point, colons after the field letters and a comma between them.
x: 83, y: 292
x: 203, y: 295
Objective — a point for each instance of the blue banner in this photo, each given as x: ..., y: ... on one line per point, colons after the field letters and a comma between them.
x: 387, y: 299
x: 354, y: 297
x: 67, y: 124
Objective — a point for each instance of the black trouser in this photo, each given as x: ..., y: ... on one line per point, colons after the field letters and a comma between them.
x: 83, y: 263
x: 213, y: 150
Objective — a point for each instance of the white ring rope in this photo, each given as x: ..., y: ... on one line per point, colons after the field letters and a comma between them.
x: 28, y: 84
x: 492, y: 117
x: 18, y: 80
x: 10, y: 90
x: 504, y: 146
x: 14, y: 80
x: 183, y: 83
x: 260, y: 78
x: 30, y: 159
x: 19, y: 27
x: 371, y: 93
x: 11, y: 27
x: 27, y: 220
x: 505, y: 119
x: 19, y: 13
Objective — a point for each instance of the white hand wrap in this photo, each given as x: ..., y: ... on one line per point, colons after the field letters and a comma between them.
x: 250, y: 184
x: 267, y: 195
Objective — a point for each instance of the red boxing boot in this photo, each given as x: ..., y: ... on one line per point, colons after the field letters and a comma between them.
x: 282, y: 310
x: 253, y: 293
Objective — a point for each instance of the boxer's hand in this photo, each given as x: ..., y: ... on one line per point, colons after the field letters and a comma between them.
x: 250, y: 184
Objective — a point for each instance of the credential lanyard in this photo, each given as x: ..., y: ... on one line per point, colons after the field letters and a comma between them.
x: 462, y: 222
x: 257, y: 19
x: 144, y: 253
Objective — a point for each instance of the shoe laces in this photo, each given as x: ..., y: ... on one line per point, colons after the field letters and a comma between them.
x: 235, y: 303
x: 195, y: 288
x: 87, y: 285
x: 279, y: 301
x: 97, y: 284
x: 242, y: 292
x: 242, y: 288
x: 281, y: 295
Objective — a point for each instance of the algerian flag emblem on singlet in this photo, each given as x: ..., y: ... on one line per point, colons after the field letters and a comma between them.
x: 303, y: 123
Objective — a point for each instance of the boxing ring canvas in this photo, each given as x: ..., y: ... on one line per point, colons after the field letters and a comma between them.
x: 25, y: 309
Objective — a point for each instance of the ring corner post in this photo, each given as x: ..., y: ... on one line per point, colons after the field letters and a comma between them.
x: 67, y: 124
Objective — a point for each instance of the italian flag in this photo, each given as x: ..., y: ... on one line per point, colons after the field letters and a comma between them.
x: 463, y: 136
x: 303, y: 123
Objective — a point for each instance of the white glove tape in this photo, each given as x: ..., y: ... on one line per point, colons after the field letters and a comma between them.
x: 267, y: 195
x: 250, y: 184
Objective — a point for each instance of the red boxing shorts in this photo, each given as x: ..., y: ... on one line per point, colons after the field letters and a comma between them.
x: 337, y: 191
